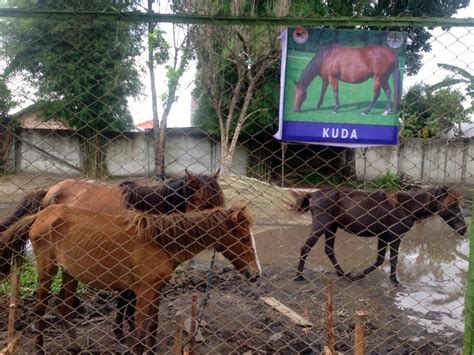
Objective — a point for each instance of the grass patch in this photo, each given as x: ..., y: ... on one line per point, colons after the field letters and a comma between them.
x: 389, y: 181
x: 29, y: 281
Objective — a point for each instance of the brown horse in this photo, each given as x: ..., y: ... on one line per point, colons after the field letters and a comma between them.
x: 387, y: 216
x: 351, y: 65
x: 192, y: 192
x: 132, y: 251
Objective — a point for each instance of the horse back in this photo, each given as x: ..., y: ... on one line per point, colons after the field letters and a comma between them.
x: 356, y: 65
x: 359, y: 212
x: 87, y: 195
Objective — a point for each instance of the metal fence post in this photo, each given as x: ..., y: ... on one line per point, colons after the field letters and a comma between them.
x: 469, y: 314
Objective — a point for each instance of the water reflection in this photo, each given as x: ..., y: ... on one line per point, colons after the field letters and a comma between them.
x: 433, y: 266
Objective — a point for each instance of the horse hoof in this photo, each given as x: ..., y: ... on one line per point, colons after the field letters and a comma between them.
x: 386, y: 113
x: 395, y: 283
x: 300, y: 277
x: 334, y: 112
x: 364, y: 113
x: 121, y: 349
x: 74, y: 349
x: 355, y: 277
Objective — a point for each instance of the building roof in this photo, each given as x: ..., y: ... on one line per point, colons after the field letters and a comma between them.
x: 145, y: 125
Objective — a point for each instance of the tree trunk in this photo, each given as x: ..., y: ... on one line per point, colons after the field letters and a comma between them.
x: 226, y: 160
x: 6, y: 146
x: 93, y: 155
x: 154, y: 100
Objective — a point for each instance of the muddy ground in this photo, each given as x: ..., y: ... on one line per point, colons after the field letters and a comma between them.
x: 424, y: 316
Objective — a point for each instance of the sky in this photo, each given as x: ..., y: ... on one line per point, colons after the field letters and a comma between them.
x: 451, y: 47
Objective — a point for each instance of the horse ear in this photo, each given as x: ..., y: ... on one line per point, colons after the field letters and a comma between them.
x: 190, y: 178
x: 216, y: 175
x: 295, y: 81
x: 237, y: 211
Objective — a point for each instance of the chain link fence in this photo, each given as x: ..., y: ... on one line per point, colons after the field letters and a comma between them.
x: 71, y: 143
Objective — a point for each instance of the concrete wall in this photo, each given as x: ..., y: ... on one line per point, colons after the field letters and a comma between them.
x: 131, y: 154
x: 435, y: 160
x: 128, y: 154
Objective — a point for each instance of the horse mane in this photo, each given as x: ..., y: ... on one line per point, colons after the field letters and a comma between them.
x: 447, y: 196
x: 164, y: 198
x: 178, y: 231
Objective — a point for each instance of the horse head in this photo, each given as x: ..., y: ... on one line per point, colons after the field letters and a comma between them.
x: 238, y: 245
x: 207, y: 192
x: 448, y: 202
x: 299, y: 95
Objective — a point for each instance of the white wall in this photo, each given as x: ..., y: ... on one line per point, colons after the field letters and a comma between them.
x: 435, y: 160
x: 129, y: 154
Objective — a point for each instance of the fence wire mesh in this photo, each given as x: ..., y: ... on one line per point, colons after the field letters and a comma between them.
x: 78, y: 167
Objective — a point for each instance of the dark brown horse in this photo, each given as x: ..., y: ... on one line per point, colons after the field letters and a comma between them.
x: 192, y: 192
x: 134, y: 251
x: 387, y: 216
x: 351, y: 65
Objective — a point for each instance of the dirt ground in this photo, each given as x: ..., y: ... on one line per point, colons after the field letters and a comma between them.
x: 424, y: 316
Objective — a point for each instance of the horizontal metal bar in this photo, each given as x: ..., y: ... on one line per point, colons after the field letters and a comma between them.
x: 251, y: 21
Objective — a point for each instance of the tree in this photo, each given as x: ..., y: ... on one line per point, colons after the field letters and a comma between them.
x: 430, y: 113
x: 6, y: 126
x: 462, y: 77
x: 232, y: 62
x: 84, y: 67
x: 175, y: 66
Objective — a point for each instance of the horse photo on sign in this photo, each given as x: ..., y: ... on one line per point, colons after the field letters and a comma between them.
x: 356, y: 66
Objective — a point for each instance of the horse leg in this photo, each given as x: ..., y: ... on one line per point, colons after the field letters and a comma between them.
x: 381, y: 251
x: 323, y: 93
x: 329, y: 250
x: 335, y: 89
x: 67, y: 310
x: 147, y: 299
x: 305, y: 249
x: 394, y: 246
x: 46, y: 275
x: 388, y: 95
x: 120, y: 316
x: 377, y: 85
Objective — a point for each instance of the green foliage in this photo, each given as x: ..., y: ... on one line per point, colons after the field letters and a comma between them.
x: 389, y: 181
x: 315, y: 178
x: 462, y: 76
x: 6, y: 103
x: 83, y: 67
x: 29, y: 281
x: 429, y: 113
x: 160, y: 46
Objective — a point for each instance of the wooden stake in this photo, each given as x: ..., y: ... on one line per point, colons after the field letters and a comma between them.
x: 331, y: 344
x: 192, y: 342
x: 178, y: 335
x: 14, y: 300
x: 359, y: 345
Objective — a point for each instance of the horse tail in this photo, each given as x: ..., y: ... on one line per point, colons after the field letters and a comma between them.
x: 301, y: 204
x: 397, y: 85
x: 13, y: 245
x: 30, y: 204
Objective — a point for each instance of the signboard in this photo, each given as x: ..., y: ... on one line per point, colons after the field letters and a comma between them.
x: 341, y: 87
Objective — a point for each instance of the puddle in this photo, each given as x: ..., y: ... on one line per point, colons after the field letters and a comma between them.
x: 432, y: 268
